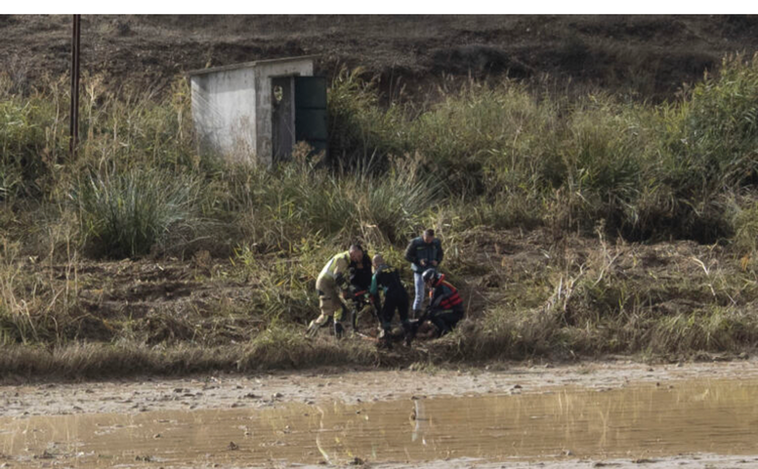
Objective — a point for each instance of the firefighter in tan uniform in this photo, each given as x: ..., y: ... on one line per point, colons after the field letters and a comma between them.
x: 332, y: 285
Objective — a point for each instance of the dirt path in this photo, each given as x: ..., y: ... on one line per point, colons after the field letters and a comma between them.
x: 271, y: 390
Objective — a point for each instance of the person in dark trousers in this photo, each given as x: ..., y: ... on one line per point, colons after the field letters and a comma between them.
x: 360, y: 281
x: 423, y: 253
x: 395, y: 298
x: 445, y: 304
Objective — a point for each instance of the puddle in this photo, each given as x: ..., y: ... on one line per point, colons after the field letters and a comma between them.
x: 637, y: 422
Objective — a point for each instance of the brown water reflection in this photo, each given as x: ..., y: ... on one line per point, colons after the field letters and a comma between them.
x: 645, y: 421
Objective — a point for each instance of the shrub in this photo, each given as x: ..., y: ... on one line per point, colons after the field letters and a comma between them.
x: 126, y: 214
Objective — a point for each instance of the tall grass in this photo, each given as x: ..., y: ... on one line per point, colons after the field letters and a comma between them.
x: 643, y: 171
x: 125, y: 215
x: 279, y: 209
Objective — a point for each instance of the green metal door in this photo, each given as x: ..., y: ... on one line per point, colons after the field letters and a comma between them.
x: 310, y: 112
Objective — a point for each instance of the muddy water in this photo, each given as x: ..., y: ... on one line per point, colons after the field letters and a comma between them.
x: 643, y: 421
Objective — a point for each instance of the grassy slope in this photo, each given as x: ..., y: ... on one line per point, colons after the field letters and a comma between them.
x: 535, y: 198
x: 526, y: 297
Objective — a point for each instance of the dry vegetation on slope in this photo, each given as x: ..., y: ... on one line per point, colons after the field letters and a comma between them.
x: 577, y: 224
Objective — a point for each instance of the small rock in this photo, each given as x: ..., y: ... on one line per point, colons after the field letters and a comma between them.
x: 233, y: 446
x: 357, y: 461
x: 157, y: 435
x: 250, y: 396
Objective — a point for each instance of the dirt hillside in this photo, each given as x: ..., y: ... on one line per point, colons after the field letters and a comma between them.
x: 648, y: 55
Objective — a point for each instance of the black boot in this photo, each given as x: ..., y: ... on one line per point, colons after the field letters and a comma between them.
x: 385, y: 340
x: 410, y: 333
x: 338, y: 329
x: 407, y: 333
x: 416, y: 314
x: 408, y: 339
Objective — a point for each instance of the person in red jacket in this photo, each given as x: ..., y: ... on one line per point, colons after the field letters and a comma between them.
x: 445, y: 304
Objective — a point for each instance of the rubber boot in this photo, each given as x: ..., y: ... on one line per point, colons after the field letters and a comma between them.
x: 339, y: 330
x: 312, y: 329
x: 413, y: 328
x: 408, y: 334
x: 385, y: 340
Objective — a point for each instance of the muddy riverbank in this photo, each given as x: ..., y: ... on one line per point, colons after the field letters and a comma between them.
x: 219, y: 391
x: 593, y: 414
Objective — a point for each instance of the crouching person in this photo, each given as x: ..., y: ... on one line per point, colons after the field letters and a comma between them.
x: 395, y: 298
x: 445, y: 304
x: 332, y: 285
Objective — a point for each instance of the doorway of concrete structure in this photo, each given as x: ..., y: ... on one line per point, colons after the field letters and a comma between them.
x: 282, y: 117
x: 310, y: 113
x: 298, y: 115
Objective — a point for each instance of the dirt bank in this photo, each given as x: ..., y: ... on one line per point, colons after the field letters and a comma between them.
x: 349, y: 386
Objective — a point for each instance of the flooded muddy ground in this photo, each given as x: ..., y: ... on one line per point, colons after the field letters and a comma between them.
x: 609, y: 413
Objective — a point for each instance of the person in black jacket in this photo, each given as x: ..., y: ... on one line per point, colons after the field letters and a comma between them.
x: 423, y: 253
x: 360, y: 281
x: 360, y: 271
x: 395, y: 298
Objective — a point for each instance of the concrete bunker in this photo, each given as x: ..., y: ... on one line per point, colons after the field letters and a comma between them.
x: 257, y: 111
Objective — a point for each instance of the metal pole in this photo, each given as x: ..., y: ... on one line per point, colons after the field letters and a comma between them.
x: 74, y: 114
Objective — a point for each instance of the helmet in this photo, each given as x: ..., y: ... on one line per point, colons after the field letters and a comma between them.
x: 430, y: 274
